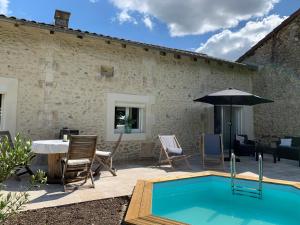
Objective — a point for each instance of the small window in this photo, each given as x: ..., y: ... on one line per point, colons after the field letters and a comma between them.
x: 107, y: 71
x: 128, y: 119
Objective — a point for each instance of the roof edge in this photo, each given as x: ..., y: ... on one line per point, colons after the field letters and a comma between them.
x: 284, y: 23
x: 52, y: 27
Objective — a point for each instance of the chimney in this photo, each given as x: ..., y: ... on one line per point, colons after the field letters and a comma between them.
x: 62, y: 18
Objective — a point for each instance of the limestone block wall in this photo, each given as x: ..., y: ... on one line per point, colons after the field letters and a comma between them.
x: 278, y: 79
x: 60, y: 85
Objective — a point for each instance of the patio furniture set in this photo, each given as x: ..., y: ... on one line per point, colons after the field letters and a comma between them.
x: 70, y: 160
x: 212, y: 149
x: 286, y: 147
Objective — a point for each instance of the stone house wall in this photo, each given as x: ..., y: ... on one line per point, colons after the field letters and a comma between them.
x: 60, y: 85
x: 278, y: 79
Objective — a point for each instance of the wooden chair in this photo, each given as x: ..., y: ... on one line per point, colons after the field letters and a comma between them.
x: 211, y: 147
x: 80, y: 157
x: 25, y: 167
x: 171, y: 149
x: 105, y: 159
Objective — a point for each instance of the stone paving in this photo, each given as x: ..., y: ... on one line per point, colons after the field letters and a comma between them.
x: 107, y: 186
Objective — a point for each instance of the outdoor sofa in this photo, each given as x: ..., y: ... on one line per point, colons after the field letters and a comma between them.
x: 288, y: 150
x: 243, y: 146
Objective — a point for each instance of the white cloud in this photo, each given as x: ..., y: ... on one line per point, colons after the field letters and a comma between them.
x: 148, y: 22
x: 123, y: 17
x: 196, y: 16
x: 94, y: 1
x: 231, y: 45
x: 4, y: 7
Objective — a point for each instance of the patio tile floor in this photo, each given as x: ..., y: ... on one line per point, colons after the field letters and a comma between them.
x: 107, y: 186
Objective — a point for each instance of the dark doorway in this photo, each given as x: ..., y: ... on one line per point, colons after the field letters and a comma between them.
x: 221, y: 122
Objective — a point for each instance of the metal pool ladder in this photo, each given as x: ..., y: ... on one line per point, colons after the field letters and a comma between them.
x: 241, y: 190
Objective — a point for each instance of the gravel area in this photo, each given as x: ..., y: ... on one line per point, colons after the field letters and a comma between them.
x: 103, y: 212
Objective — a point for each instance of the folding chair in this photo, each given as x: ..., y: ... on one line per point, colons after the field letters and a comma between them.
x: 211, y: 147
x: 170, y: 148
x: 105, y: 159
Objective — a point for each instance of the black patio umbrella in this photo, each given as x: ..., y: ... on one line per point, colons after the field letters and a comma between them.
x: 232, y: 97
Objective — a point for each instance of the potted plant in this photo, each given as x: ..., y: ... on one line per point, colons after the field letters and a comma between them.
x: 128, y: 125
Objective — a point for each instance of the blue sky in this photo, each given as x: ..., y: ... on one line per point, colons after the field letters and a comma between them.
x: 224, y: 29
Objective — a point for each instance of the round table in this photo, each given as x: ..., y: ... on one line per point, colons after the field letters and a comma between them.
x: 55, y: 149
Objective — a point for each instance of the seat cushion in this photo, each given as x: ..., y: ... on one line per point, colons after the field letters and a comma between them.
x: 286, y: 142
x: 76, y: 162
x: 103, y: 153
x: 174, y: 150
x: 241, y: 139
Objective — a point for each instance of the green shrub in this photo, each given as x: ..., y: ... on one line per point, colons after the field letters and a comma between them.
x: 11, y: 160
x: 38, y: 178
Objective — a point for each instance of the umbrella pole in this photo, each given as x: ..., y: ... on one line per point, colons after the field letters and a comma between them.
x: 230, y: 135
x: 230, y: 127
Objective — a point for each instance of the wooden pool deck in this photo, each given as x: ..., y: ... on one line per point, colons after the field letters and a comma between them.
x: 140, y: 208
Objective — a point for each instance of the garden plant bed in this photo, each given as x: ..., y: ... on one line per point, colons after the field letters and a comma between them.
x: 106, y: 211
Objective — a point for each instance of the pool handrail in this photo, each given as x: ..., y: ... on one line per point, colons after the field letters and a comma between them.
x: 241, y: 190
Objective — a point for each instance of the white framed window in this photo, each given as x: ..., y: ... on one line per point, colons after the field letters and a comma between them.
x: 130, y: 118
x: 8, y: 111
x: 125, y: 109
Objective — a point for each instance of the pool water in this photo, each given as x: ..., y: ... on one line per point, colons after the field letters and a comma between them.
x: 209, y: 200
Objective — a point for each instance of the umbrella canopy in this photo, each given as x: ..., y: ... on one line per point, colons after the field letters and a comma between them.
x: 232, y: 97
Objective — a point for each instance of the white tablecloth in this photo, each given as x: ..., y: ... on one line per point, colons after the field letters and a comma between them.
x: 50, y: 146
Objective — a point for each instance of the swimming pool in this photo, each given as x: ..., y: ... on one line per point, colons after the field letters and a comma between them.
x: 209, y: 200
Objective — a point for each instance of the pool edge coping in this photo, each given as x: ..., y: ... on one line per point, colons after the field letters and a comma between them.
x: 223, y: 174
x: 140, y: 207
